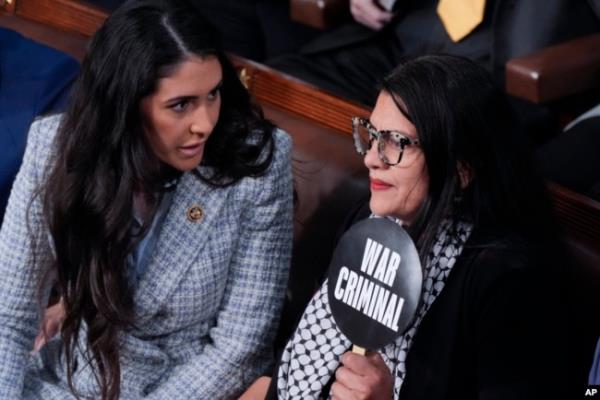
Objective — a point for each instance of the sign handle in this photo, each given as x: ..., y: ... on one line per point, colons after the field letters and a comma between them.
x: 358, y: 350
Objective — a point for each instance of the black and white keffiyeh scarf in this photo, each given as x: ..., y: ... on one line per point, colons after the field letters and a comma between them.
x: 311, y: 357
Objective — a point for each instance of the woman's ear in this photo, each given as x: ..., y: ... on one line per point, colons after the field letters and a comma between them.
x: 465, y: 174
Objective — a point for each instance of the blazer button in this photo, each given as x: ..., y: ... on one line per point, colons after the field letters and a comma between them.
x: 195, y: 213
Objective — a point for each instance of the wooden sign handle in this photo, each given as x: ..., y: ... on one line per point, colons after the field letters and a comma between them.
x: 359, y: 350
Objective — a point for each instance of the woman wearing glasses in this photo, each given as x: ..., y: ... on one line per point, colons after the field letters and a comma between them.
x: 446, y: 162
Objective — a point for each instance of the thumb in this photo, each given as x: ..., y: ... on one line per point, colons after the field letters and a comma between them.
x: 40, y: 341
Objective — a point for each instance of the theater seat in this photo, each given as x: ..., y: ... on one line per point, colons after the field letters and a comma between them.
x: 34, y: 80
x: 572, y: 159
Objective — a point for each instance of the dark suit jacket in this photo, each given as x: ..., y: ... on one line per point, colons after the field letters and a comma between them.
x: 518, y: 27
x: 34, y: 79
x: 350, y: 60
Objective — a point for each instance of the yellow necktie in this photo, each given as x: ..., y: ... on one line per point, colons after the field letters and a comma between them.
x: 460, y: 17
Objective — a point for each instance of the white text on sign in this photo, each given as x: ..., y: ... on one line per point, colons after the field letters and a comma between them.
x: 367, y: 295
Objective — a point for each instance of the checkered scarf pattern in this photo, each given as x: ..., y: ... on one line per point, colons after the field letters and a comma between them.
x: 312, y: 355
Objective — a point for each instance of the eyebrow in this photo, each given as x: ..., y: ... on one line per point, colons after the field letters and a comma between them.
x: 177, y: 99
x: 403, y: 133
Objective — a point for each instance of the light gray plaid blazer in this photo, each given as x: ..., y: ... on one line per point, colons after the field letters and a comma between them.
x: 207, y: 306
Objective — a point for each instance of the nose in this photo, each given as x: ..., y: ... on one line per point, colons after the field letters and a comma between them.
x: 203, y: 122
x: 371, y: 159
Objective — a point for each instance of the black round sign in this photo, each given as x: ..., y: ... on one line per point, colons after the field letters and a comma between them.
x: 374, y: 282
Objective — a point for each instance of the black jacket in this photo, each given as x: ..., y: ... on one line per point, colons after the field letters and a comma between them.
x: 500, y: 329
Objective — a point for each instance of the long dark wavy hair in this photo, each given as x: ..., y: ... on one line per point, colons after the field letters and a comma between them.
x: 102, y: 158
x: 462, y: 118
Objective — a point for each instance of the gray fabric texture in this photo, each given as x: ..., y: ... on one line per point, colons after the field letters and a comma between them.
x: 206, y: 307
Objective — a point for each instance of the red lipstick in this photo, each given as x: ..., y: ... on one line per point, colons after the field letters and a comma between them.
x: 377, y: 184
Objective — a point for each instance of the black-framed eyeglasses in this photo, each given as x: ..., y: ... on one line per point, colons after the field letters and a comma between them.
x: 390, y: 144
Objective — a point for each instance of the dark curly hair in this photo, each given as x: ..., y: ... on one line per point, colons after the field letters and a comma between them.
x: 103, y: 158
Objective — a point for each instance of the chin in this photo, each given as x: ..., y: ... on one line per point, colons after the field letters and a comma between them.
x: 379, y: 207
x: 383, y: 208
x: 186, y: 165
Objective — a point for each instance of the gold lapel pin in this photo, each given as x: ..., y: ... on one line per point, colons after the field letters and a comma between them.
x: 195, y: 213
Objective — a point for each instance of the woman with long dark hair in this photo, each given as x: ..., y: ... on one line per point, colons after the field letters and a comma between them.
x: 446, y: 161
x: 159, y: 207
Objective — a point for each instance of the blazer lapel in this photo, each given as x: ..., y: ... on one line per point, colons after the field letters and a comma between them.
x: 180, y: 240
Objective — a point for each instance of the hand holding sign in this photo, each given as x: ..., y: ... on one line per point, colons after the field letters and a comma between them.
x: 363, y: 377
x: 374, y: 282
